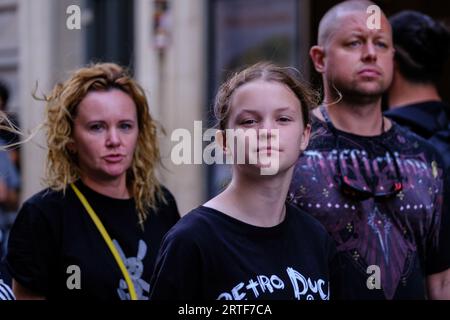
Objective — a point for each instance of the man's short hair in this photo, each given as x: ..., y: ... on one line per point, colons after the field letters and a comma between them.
x: 328, y: 21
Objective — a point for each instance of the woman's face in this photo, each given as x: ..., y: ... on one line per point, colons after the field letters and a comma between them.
x: 273, y: 113
x: 105, y: 135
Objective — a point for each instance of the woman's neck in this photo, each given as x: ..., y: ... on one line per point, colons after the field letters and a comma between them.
x: 115, y: 188
x: 259, y: 202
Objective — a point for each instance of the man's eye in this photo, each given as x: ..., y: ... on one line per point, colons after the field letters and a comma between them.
x: 354, y: 43
x: 382, y: 44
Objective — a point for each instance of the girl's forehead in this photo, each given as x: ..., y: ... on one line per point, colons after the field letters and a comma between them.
x: 261, y: 91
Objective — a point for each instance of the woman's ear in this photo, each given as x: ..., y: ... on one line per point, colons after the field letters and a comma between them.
x: 305, y: 138
x: 71, y: 148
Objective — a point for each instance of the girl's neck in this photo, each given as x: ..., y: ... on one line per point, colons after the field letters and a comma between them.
x: 259, y: 202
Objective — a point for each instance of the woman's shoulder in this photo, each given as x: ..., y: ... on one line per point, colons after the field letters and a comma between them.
x: 46, y: 205
x: 167, y: 206
x: 47, y: 197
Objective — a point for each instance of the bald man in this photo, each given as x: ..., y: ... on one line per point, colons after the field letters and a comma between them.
x: 379, y: 190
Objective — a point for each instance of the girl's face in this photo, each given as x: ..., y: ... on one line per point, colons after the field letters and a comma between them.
x: 272, y: 113
x: 105, y: 134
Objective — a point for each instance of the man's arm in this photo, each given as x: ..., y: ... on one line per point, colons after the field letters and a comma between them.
x: 438, y: 285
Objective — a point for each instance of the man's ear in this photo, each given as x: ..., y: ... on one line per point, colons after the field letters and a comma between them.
x: 317, y: 54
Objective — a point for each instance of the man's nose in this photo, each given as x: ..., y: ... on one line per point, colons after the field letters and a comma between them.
x: 369, y: 52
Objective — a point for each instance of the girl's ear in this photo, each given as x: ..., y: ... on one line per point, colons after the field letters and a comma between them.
x: 305, y: 138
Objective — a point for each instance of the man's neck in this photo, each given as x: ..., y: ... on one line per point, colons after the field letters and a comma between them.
x: 364, y: 119
x: 405, y: 93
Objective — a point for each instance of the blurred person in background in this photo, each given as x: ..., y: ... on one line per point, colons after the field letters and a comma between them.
x: 422, y: 48
x: 9, y: 175
x: 5, y: 291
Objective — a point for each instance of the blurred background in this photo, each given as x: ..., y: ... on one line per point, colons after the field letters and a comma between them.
x: 178, y: 50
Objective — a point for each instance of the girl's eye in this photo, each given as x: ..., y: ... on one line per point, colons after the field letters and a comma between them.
x: 284, y: 119
x: 248, y: 122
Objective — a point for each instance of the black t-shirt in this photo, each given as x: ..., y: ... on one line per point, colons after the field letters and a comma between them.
x: 209, y: 255
x: 54, y: 239
x: 399, y: 235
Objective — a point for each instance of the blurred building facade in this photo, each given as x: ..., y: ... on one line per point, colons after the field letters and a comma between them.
x: 178, y: 50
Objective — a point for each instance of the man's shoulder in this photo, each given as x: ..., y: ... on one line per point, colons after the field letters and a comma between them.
x: 431, y: 150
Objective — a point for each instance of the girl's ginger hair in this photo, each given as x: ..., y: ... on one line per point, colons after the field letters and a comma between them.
x: 61, y: 109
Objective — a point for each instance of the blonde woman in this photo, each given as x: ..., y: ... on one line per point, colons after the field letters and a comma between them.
x: 95, y: 231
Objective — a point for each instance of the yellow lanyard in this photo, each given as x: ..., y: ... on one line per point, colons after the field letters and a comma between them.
x: 108, y: 241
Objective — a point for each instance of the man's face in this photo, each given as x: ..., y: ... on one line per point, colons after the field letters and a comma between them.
x: 358, y: 61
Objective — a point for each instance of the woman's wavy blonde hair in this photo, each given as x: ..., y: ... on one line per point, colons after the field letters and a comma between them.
x: 61, y: 107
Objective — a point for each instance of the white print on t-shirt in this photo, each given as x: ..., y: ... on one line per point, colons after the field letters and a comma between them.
x: 302, y: 287
x: 135, y: 268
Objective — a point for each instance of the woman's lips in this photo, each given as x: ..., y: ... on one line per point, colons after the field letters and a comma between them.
x: 114, y: 158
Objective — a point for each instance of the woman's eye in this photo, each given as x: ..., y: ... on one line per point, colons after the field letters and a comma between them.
x: 126, y: 126
x: 96, y: 127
